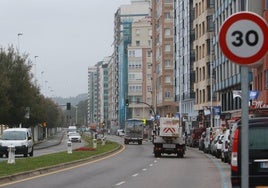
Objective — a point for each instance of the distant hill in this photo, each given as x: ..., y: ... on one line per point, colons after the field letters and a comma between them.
x: 73, y: 100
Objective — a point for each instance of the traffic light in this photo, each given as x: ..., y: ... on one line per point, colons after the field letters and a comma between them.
x: 144, y: 121
x: 126, y: 102
x: 68, y: 106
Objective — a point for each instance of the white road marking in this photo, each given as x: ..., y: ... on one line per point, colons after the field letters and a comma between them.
x: 151, y: 165
x: 120, y: 183
x: 144, y: 169
x: 134, y: 175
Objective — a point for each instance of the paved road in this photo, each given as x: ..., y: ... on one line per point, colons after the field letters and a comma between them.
x: 137, y: 167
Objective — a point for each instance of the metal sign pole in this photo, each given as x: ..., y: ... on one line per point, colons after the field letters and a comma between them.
x: 244, y: 127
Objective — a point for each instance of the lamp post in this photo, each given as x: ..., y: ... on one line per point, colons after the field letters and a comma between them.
x: 19, y: 34
x: 35, y: 69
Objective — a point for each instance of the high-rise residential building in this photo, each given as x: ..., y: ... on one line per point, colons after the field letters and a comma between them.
x: 124, y: 17
x: 261, y: 72
x: 162, y: 57
x: 184, y: 60
x: 139, y: 70
x: 92, y: 95
x: 228, y: 74
x: 98, y: 94
x: 205, y: 96
x: 112, y: 122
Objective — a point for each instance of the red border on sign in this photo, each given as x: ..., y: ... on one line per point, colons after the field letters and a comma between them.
x: 228, y: 23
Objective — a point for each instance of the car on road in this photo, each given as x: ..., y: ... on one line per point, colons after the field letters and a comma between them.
x: 120, y: 132
x: 258, y: 153
x: 21, y: 138
x: 74, y: 137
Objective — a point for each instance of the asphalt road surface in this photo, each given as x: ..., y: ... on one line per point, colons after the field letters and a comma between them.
x: 135, y: 166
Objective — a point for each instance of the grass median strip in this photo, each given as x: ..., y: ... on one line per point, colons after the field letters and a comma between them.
x: 34, y: 163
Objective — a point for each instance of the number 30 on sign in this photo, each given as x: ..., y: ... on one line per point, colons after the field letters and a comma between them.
x: 243, y: 38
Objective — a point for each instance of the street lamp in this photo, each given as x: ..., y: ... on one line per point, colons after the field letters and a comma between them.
x: 35, y: 70
x: 19, y: 34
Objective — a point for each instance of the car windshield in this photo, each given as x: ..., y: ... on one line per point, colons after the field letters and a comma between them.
x: 258, y: 138
x: 74, y: 134
x: 14, y: 135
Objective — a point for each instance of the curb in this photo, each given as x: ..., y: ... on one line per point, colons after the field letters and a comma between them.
x: 32, y: 173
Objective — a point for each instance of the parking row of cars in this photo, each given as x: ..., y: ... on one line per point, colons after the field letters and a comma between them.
x: 216, y: 141
x: 226, y: 145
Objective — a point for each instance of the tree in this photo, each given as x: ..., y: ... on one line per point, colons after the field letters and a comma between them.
x: 18, y: 93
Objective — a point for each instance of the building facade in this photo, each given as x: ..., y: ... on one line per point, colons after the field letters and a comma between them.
x: 163, y: 86
x: 124, y: 17
x: 139, y: 70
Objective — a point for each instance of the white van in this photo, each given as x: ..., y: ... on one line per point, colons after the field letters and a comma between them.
x: 21, y: 138
x: 71, y: 129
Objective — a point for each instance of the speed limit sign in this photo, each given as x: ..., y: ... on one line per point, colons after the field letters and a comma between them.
x: 243, y: 38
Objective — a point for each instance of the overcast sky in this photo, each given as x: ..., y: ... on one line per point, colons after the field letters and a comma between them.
x: 68, y: 36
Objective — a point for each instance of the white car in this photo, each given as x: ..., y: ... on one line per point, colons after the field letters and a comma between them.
x: 21, y: 138
x: 225, y: 146
x: 120, y: 132
x: 74, y: 137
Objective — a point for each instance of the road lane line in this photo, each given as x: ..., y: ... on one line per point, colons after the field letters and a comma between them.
x: 144, y: 169
x: 120, y: 183
x: 134, y: 175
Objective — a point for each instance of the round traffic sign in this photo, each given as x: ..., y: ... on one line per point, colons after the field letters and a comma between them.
x: 243, y: 38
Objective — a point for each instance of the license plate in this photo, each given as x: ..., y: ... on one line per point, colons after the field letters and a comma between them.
x: 264, y: 165
x: 169, y: 146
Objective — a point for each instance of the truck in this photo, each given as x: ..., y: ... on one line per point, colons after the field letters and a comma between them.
x: 133, y: 131
x: 169, y: 137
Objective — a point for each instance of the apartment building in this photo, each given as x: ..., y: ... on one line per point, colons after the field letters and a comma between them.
x: 261, y: 72
x: 184, y: 59
x: 92, y: 95
x: 163, y: 61
x: 228, y: 74
x: 124, y: 17
x: 139, y: 70
x: 205, y: 96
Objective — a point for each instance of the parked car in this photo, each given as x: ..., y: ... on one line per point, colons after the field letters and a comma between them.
x: 233, y: 127
x: 74, y: 137
x: 201, y: 144
x: 21, y: 138
x: 208, y: 140
x: 195, y: 136
x: 225, y: 146
x: 258, y: 153
x: 213, y: 143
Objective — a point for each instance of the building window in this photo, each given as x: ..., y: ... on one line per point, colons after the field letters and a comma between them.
x: 210, y: 23
x: 149, y: 53
x: 167, y: 48
x: 167, y: 15
x: 167, y: 79
x: 167, y: 63
x: 137, y: 43
x: 266, y: 73
x: 210, y: 3
x: 167, y: 94
x: 137, y: 32
x: 167, y: 32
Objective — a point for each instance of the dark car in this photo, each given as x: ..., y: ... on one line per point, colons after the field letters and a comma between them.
x: 258, y: 153
x: 195, y: 136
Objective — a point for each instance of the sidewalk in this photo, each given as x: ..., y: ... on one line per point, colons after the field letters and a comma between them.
x: 50, y: 141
